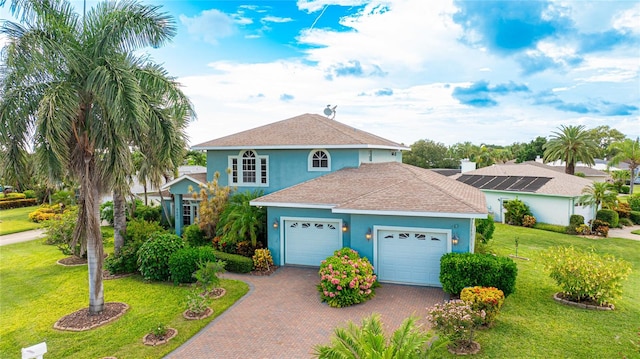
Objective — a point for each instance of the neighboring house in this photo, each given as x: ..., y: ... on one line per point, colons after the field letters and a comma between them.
x: 590, y: 173
x: 553, y: 196
x: 328, y: 185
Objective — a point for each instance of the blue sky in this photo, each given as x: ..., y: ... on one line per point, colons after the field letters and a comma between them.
x: 493, y: 72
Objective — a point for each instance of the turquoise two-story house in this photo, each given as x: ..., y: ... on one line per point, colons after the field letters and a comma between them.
x: 328, y: 185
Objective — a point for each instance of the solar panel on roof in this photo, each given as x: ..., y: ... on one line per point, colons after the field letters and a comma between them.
x: 466, y: 178
x: 481, y: 182
x: 506, y: 183
x: 522, y: 183
x: 496, y: 180
x: 536, y: 184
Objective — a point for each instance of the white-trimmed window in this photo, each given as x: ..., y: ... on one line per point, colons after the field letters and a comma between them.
x: 319, y: 160
x: 248, y: 169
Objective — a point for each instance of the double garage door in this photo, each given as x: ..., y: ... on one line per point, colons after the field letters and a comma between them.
x: 410, y: 256
x: 402, y: 256
x: 308, y: 242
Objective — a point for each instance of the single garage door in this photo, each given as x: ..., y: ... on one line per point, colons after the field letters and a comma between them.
x: 411, y: 257
x: 308, y: 242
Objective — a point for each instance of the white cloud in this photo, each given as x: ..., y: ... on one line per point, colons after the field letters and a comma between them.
x: 276, y: 19
x: 628, y: 19
x: 210, y: 25
x: 311, y: 6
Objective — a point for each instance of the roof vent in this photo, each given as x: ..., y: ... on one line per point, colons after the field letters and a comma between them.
x: 330, y: 112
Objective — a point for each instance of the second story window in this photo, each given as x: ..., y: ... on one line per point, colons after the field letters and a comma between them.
x: 319, y: 160
x: 248, y: 169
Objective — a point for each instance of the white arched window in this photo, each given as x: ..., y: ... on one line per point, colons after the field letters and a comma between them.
x: 248, y: 169
x: 319, y: 160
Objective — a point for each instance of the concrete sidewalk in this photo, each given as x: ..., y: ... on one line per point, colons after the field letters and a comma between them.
x: 21, y: 237
x: 625, y: 233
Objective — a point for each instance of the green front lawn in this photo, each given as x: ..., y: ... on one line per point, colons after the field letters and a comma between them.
x: 17, y: 220
x: 35, y: 292
x: 533, y: 325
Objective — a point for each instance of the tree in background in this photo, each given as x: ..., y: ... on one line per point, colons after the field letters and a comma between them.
x: 604, y: 136
x: 430, y: 154
x: 571, y: 144
x: 627, y: 151
x: 73, y: 90
x: 195, y: 158
x: 531, y: 150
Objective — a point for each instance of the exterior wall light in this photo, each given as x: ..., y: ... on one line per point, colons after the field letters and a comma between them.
x: 368, y: 235
x: 275, y: 224
x: 345, y: 226
x: 455, y: 239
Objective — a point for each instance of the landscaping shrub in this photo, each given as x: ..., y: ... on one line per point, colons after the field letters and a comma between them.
x: 608, y: 215
x: 583, y: 229
x: 484, y: 229
x: 137, y: 233
x: 154, y: 254
x: 625, y: 222
x: 147, y: 213
x: 241, y: 221
x: 634, y: 202
x: 623, y: 209
x: 550, y: 227
x: 65, y: 197
x: 59, y: 232
x: 635, y: 217
x: 586, y: 276
x: 625, y: 189
x: 460, y: 270
x: 516, y: 210
x: 184, y: 262
x: 488, y: 299
x: 10, y: 203
x: 44, y: 213
x: 346, y: 279
x: 194, y: 236
x: 575, y: 221
x: 235, y: 263
x: 528, y: 221
x: 207, y: 275
x: 457, y: 321
x: 599, y: 228
x: 213, y: 199
x: 262, y: 260
x: 106, y: 212
x: 29, y: 193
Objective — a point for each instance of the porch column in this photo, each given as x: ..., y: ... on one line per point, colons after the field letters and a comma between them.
x: 177, y: 205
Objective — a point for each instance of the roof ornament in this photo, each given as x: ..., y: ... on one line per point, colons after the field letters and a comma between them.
x: 330, y: 112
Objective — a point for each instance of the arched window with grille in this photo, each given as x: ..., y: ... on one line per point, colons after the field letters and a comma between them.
x: 319, y: 160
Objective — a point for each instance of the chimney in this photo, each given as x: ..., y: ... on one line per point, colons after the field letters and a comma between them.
x: 466, y: 165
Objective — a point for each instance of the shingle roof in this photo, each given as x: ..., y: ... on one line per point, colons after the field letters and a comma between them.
x: 561, y: 184
x: 304, y: 131
x: 390, y: 187
x: 588, y: 171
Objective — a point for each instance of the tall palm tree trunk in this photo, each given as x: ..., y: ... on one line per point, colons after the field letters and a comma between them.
x: 119, y: 220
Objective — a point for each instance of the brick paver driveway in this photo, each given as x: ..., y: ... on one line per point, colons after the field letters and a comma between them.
x: 282, y: 317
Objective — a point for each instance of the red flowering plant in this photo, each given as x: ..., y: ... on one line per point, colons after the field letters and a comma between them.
x: 487, y: 299
x: 346, y: 279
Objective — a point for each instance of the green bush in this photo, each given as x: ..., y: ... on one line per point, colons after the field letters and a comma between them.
x: 154, y: 254
x: 10, y: 203
x: 608, y: 215
x: 625, y: 189
x: 484, y: 229
x: 516, y: 210
x: 194, y: 236
x: 586, y: 275
x: 625, y: 222
x: 460, y: 270
x: 138, y: 231
x: 635, y: 217
x: 488, y: 299
x: 65, y: 197
x: 148, y: 213
x: 235, y: 263
x: 106, y: 212
x: 634, y: 202
x: 550, y: 227
x: 576, y: 219
x: 29, y: 193
x: 59, y: 232
x: 346, y: 279
x: 184, y: 262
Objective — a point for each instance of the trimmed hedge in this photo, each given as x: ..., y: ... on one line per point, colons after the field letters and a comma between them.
x: 11, y: 203
x: 154, y: 254
x: 184, y: 262
x: 608, y: 215
x: 550, y: 227
x: 235, y: 263
x: 635, y: 217
x: 460, y: 270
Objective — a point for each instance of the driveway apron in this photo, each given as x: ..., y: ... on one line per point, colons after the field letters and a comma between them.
x: 282, y: 317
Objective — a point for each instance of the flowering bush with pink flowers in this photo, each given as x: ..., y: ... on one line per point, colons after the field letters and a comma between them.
x: 457, y: 321
x: 346, y: 279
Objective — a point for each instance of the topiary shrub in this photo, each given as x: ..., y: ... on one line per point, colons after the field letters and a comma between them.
x: 194, y: 236
x: 184, y: 262
x: 154, y: 254
x: 634, y: 216
x: 489, y: 299
x: 460, y: 270
x: 608, y: 215
x: 529, y: 221
x: 346, y: 279
x: 575, y: 221
x: 235, y: 263
x: 516, y: 210
x: 586, y: 276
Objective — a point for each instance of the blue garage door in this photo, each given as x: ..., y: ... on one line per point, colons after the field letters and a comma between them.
x: 308, y: 242
x: 411, y: 257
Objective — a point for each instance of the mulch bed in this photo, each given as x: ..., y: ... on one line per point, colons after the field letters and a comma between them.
x: 216, y: 293
x: 106, y: 275
x: 585, y: 304
x: 73, y: 261
x: 470, y: 349
x: 189, y: 315
x: 152, y: 340
x: 271, y: 270
x: 81, y: 320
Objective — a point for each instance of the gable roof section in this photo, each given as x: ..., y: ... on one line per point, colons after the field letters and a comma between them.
x: 197, y: 178
x: 391, y: 188
x: 560, y: 184
x: 588, y: 171
x: 304, y: 131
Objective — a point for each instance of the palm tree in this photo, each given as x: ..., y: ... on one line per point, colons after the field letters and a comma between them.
x: 73, y: 90
x: 241, y: 221
x: 369, y: 341
x: 571, y: 144
x: 628, y: 151
x: 599, y: 194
